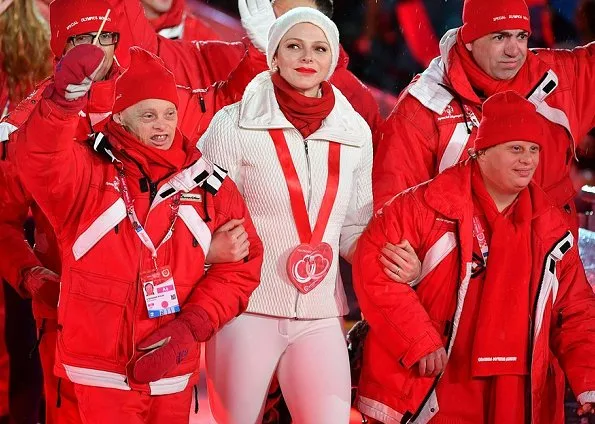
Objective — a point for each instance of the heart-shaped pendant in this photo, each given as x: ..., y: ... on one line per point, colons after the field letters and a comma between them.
x: 307, y: 265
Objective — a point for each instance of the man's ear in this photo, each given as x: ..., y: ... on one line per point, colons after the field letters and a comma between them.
x: 469, y: 46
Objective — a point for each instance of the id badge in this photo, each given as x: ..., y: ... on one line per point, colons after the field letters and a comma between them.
x: 159, y: 291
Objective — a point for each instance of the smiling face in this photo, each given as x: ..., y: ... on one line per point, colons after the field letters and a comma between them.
x: 152, y: 121
x: 304, y: 58
x: 509, y: 167
x: 500, y: 54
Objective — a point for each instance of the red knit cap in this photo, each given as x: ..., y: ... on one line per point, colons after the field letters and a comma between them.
x: 74, y: 17
x: 483, y: 17
x: 146, y: 78
x: 509, y: 117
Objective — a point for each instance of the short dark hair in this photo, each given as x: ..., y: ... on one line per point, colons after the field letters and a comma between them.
x: 325, y: 6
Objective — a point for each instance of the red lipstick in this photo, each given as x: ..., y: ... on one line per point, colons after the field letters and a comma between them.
x: 303, y: 70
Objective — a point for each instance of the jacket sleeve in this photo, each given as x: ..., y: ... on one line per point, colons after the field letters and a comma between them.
x: 53, y: 168
x: 573, y: 326
x: 251, y: 64
x: 359, y: 210
x: 585, y: 87
x: 196, y: 64
x: 225, y: 289
x: 395, y: 314
x: 220, y: 144
x: 15, y: 253
x: 405, y: 156
x: 359, y: 96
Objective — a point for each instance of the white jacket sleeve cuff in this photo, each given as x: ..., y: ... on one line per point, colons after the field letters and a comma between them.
x: 586, y: 397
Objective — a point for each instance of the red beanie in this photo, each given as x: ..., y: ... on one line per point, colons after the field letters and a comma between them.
x: 509, y: 117
x: 146, y: 78
x: 74, y: 17
x: 482, y: 17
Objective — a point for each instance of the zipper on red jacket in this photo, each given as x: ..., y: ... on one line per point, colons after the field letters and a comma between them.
x: 529, y: 389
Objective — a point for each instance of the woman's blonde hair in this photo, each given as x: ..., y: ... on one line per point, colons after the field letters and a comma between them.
x: 24, y: 48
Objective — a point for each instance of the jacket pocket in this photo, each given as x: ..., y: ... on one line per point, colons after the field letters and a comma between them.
x: 94, y: 315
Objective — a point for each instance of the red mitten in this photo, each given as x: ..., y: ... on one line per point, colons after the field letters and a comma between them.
x: 43, y: 285
x: 170, y: 344
x: 74, y: 75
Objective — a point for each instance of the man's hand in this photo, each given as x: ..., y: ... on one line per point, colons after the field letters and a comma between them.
x: 400, y: 262
x: 229, y: 244
x: 433, y: 364
x: 74, y: 75
x: 257, y: 17
x: 43, y: 285
x: 168, y: 346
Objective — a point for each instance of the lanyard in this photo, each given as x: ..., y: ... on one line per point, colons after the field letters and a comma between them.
x: 479, y: 234
x: 296, y: 195
x: 138, y: 227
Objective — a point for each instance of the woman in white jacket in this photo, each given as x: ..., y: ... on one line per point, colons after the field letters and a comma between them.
x: 302, y: 157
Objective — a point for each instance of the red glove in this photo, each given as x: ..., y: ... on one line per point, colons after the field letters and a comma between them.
x: 74, y: 75
x: 169, y: 344
x: 43, y: 285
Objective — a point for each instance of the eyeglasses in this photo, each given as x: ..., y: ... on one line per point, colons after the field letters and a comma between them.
x: 105, y: 39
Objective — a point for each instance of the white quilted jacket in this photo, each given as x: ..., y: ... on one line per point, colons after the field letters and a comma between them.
x: 238, y: 140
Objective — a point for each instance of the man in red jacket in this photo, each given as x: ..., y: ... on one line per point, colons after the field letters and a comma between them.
x: 502, y: 288
x: 132, y: 357
x: 172, y: 20
x: 436, y: 118
x: 34, y: 273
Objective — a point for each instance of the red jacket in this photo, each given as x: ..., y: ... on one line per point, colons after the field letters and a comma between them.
x: 428, y: 131
x: 101, y: 314
x: 196, y: 29
x: 407, y: 323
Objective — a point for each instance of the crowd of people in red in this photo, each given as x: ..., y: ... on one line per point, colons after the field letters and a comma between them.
x: 188, y: 191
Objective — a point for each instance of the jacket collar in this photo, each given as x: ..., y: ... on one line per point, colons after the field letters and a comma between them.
x: 259, y: 110
x: 430, y: 87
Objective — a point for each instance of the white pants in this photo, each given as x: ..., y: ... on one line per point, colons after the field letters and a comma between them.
x: 310, y: 358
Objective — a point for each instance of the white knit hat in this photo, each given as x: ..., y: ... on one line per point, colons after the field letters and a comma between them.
x: 300, y: 15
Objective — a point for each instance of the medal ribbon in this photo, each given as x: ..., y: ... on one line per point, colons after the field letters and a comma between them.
x: 138, y: 227
x: 296, y: 195
x: 479, y: 234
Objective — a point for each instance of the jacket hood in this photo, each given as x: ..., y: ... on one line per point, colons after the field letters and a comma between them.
x: 259, y: 110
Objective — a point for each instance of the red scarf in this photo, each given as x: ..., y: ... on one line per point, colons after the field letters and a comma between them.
x: 304, y: 113
x: 170, y: 18
x: 503, y: 326
x: 155, y: 163
x: 524, y: 81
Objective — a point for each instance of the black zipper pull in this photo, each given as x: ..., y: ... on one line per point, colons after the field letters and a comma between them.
x: 203, y: 107
x: 152, y: 191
